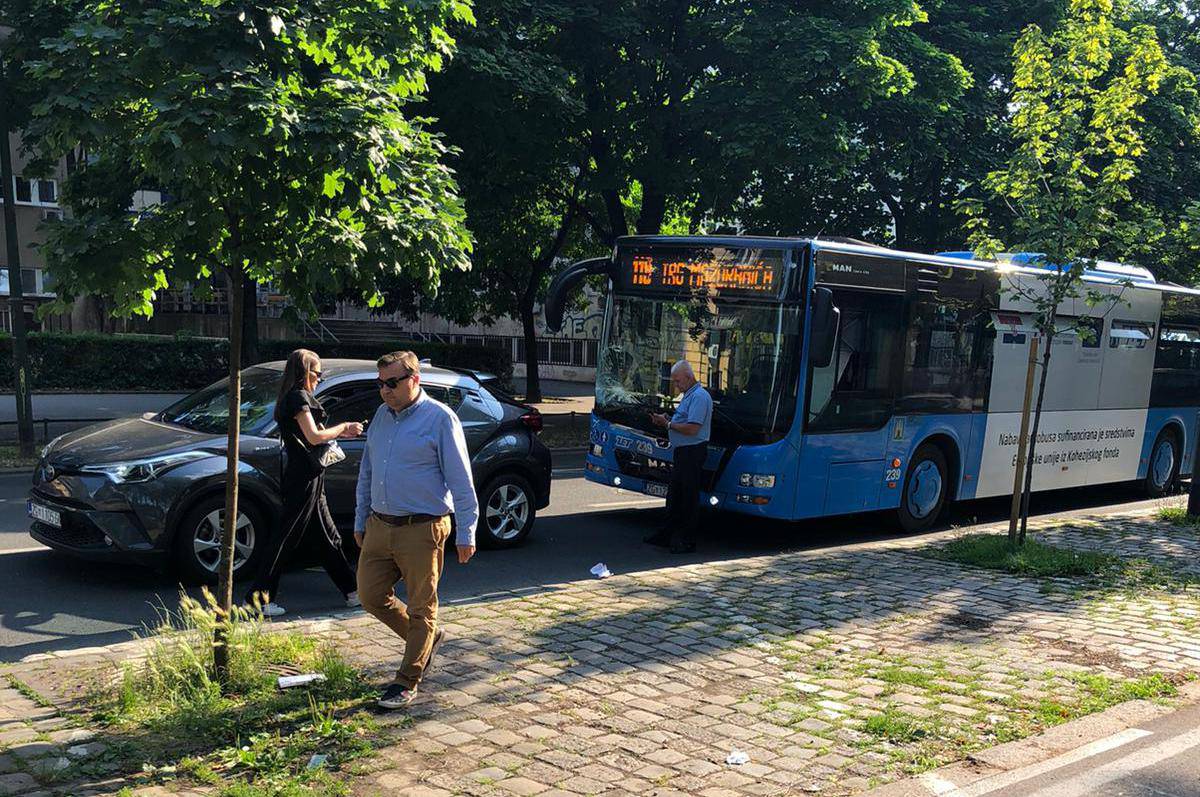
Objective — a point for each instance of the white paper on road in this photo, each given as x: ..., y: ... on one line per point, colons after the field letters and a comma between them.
x: 737, y: 757
x: 600, y: 570
x: 288, y: 681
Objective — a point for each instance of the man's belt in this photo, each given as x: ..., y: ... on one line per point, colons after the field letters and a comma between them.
x: 404, y: 520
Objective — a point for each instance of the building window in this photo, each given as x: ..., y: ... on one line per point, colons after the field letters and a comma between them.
x: 36, y: 192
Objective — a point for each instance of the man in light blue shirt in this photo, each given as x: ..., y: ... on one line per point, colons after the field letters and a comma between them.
x: 688, y: 429
x: 415, y: 471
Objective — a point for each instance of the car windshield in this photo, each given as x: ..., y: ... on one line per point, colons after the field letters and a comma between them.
x: 744, y: 355
x: 207, y: 410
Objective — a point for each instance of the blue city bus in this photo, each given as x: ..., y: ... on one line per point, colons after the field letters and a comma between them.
x: 850, y: 378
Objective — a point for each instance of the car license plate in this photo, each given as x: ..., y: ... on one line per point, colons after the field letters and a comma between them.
x: 45, y: 515
x: 655, y: 488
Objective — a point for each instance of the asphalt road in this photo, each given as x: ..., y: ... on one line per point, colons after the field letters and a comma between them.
x: 1156, y: 759
x: 49, y: 601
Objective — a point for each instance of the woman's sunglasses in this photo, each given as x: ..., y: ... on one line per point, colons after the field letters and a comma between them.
x: 391, y: 383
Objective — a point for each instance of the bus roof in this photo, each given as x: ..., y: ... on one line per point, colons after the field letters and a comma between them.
x: 1105, y: 271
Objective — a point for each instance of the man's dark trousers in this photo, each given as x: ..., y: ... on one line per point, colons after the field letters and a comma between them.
x: 683, y: 500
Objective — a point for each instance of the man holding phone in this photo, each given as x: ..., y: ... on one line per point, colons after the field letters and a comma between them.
x: 415, y: 472
x: 688, y: 429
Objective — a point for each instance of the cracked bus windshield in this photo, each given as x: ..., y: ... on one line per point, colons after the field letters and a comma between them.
x: 745, y: 355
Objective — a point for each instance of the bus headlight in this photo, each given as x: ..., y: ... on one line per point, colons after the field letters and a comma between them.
x: 763, y: 480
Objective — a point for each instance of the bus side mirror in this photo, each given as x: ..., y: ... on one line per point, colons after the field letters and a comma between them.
x: 825, y: 319
x: 565, y: 281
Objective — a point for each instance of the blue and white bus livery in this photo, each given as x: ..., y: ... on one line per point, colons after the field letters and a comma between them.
x: 848, y: 378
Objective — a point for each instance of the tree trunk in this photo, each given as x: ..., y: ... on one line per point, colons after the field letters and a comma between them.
x: 229, y: 527
x: 654, y: 209
x: 533, y: 384
x: 1037, y: 418
x: 249, y: 322
x: 16, y: 298
x: 1193, y: 503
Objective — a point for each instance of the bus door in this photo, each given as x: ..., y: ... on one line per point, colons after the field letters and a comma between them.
x: 849, y: 405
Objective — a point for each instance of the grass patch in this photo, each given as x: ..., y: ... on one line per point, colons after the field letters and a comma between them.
x: 902, y: 675
x: 895, y: 726
x: 1178, y: 516
x: 11, y: 459
x: 993, y: 552
x: 246, y: 737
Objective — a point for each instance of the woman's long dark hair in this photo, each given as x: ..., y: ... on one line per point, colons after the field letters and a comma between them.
x: 299, y: 363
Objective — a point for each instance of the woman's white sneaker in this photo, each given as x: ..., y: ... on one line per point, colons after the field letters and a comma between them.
x: 352, y: 600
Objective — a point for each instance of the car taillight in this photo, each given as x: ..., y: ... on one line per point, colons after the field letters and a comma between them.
x: 532, y: 420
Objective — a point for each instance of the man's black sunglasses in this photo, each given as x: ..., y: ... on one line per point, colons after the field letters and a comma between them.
x: 392, y: 383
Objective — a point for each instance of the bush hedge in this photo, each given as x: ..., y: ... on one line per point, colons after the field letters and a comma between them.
x: 93, y: 362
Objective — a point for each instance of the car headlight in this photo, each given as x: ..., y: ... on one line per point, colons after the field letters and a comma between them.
x: 46, y: 449
x: 143, y: 470
x: 762, y: 480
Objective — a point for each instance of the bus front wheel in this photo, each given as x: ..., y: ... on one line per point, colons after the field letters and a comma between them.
x: 925, y: 488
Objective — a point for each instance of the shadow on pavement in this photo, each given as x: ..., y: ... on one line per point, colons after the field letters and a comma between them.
x: 77, y: 598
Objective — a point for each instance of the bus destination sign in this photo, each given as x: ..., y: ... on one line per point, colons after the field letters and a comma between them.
x: 703, y: 270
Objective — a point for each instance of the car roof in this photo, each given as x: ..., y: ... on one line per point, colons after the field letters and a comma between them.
x: 337, y: 368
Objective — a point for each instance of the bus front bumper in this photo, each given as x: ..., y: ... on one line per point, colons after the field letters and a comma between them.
x: 596, y: 471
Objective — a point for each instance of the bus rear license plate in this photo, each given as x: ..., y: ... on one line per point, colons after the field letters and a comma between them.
x: 45, y: 515
x: 656, y: 489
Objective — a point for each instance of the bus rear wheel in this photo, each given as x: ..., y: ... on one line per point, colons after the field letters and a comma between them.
x: 925, y: 488
x: 1163, y: 470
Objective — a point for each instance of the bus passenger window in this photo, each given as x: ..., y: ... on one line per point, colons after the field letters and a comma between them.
x: 1130, y: 335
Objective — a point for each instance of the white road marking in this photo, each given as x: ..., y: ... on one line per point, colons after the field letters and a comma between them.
x: 1090, y: 782
x: 1006, y: 779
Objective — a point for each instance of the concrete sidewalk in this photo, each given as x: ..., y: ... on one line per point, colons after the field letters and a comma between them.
x: 834, y: 671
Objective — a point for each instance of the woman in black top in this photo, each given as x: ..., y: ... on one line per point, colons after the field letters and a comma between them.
x: 300, y: 418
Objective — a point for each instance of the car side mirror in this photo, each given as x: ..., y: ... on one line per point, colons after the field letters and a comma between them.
x: 826, y: 318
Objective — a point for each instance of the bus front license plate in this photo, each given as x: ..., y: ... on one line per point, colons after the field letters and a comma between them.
x: 656, y: 489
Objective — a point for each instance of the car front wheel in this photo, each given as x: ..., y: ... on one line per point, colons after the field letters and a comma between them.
x: 506, y: 512
x: 198, y: 540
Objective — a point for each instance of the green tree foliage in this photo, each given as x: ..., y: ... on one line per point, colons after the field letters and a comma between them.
x: 508, y: 108
x: 580, y: 121
x: 281, y: 131
x: 1077, y: 128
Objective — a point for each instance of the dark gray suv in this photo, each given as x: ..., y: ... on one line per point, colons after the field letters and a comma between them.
x: 151, y: 489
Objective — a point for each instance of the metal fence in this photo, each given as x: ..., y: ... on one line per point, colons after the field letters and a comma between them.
x: 574, y: 352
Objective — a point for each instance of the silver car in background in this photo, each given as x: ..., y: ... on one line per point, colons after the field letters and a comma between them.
x: 151, y: 489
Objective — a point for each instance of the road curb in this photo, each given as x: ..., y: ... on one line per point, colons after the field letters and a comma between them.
x: 972, y: 773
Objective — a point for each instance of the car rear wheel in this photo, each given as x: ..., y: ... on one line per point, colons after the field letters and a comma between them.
x: 198, y: 540
x: 506, y: 511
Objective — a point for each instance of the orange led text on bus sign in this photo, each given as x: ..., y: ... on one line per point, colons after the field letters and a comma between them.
x: 757, y: 276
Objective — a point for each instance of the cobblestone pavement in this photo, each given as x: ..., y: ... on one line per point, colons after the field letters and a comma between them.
x: 833, y: 670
